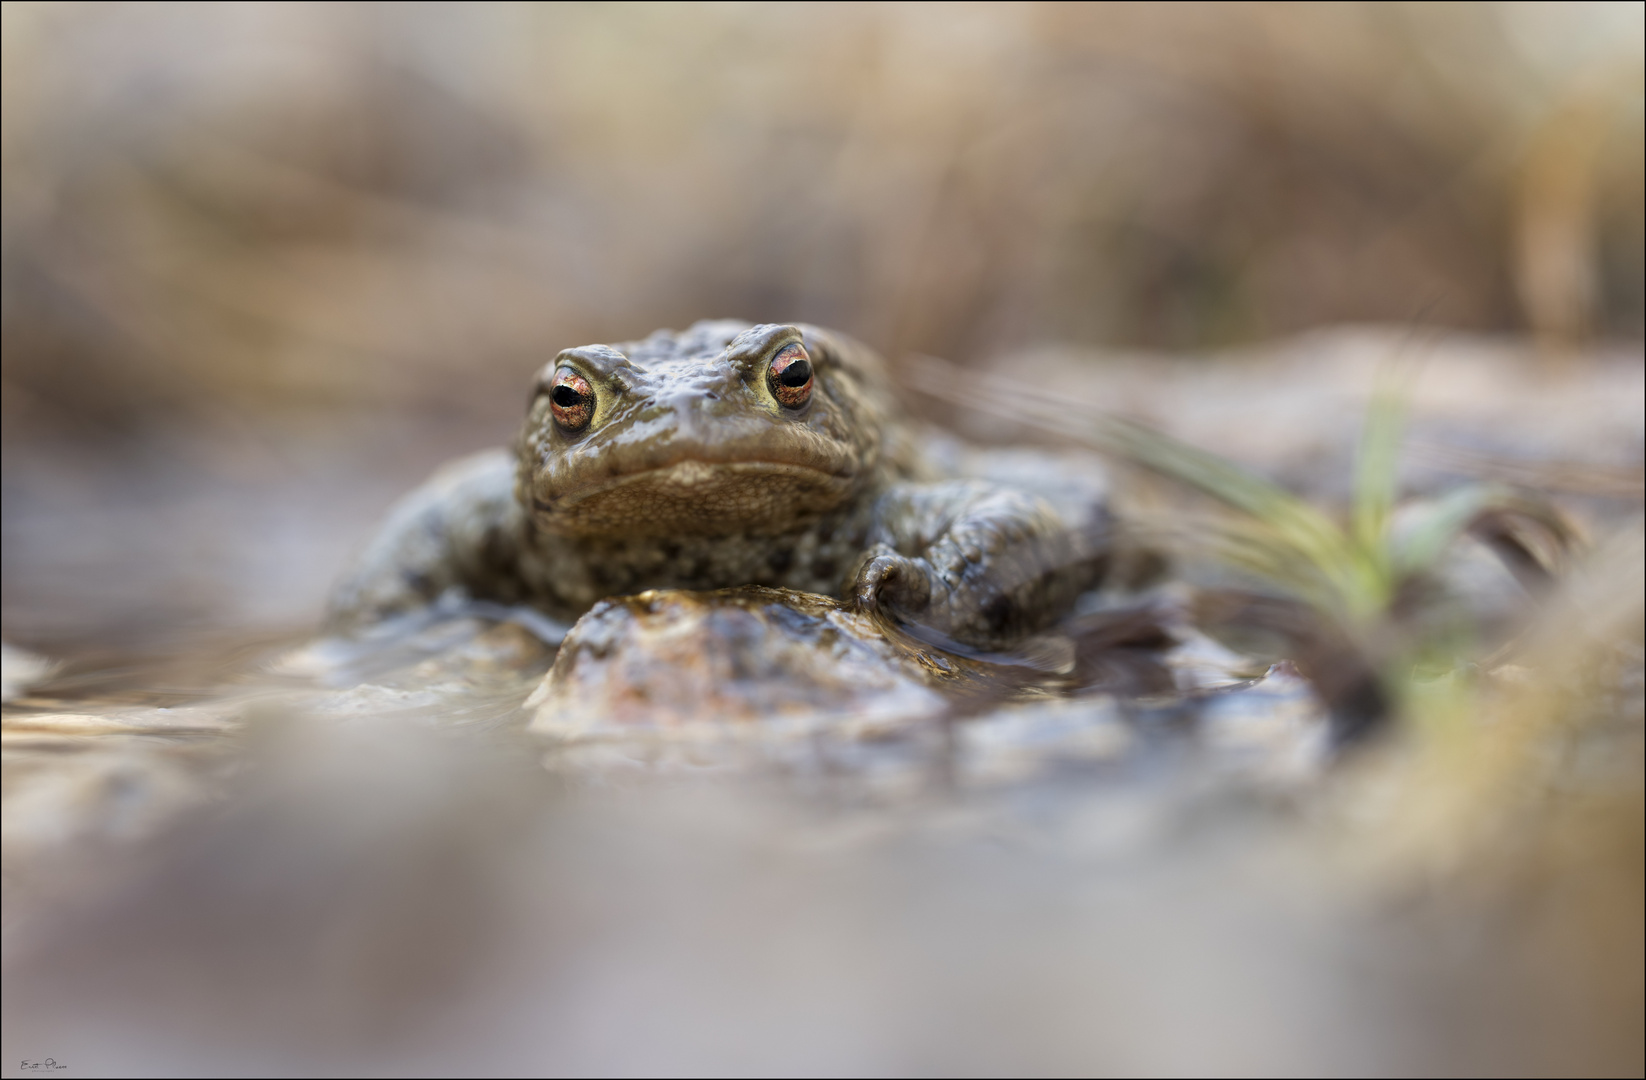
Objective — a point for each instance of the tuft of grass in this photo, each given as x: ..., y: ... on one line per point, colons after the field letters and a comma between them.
x: 1353, y: 599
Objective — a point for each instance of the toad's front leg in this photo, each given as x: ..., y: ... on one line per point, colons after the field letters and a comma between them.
x: 461, y: 530
x: 976, y: 562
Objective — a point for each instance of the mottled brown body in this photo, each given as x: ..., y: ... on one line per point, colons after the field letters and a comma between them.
x: 680, y: 462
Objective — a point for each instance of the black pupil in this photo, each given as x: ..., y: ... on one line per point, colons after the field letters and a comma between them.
x: 798, y: 373
x: 566, y: 397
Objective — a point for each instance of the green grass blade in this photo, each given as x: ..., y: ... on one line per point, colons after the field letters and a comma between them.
x: 1377, y: 475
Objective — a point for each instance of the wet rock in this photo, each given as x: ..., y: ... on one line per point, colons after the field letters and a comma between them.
x: 1022, y: 742
x: 676, y: 661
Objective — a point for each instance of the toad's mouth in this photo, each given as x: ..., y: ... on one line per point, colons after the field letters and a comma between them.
x: 697, y: 498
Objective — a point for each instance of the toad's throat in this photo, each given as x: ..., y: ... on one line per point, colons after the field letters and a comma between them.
x: 698, y: 498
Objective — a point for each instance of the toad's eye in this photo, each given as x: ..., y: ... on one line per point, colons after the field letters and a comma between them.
x: 571, y: 400
x: 790, y: 376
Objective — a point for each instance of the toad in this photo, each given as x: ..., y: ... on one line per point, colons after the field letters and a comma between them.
x: 729, y: 454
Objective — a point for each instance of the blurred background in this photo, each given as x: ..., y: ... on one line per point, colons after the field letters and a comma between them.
x: 265, y: 265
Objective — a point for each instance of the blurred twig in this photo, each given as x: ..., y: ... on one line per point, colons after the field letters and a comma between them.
x: 1626, y: 482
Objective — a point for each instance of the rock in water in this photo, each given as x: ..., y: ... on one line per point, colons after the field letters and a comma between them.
x: 684, y: 662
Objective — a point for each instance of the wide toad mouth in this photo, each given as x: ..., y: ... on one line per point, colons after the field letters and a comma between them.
x: 688, y: 474
x: 697, y: 498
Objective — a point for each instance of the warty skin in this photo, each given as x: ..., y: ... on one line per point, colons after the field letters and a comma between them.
x: 684, y: 461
